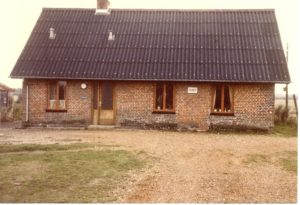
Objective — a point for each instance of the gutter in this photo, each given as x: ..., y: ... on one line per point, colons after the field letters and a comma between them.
x: 150, y: 80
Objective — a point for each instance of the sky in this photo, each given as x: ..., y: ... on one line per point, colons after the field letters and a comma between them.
x: 18, y: 17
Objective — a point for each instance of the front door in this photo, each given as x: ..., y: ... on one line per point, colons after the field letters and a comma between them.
x: 106, y: 103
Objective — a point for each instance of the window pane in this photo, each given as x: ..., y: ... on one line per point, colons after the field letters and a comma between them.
x: 217, y: 106
x: 61, y: 95
x: 227, y: 103
x: 107, y: 96
x: 61, y: 90
x: 159, y: 96
x: 52, y: 96
x: 169, y: 96
x: 62, y: 104
x: 3, y: 99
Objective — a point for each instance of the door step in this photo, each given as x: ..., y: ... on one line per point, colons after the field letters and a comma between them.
x: 101, y: 127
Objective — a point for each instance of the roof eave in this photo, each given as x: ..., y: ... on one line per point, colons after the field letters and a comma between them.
x: 170, y: 80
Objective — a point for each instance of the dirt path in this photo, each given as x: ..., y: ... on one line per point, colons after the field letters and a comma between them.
x: 192, y: 167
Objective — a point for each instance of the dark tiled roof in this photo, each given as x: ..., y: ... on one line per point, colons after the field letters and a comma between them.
x: 174, y: 45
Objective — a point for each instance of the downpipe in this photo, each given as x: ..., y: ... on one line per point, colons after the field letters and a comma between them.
x: 27, y: 103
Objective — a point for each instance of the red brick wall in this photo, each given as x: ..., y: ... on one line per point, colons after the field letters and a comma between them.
x: 193, y: 109
x: 134, y: 102
x: 253, y: 105
x: 78, y: 103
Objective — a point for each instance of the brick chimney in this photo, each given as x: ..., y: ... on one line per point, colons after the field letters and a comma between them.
x: 102, y: 7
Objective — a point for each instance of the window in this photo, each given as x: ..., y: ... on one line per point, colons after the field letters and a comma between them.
x: 223, y: 99
x: 3, y: 98
x: 107, y: 96
x: 164, y: 97
x: 57, y: 95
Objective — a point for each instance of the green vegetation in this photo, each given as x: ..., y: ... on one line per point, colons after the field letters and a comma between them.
x: 286, y: 160
x: 281, y: 114
x: 17, y: 111
x: 279, y: 130
x: 256, y: 158
x: 289, y: 161
x: 285, y: 130
x: 285, y: 125
x: 63, y: 173
x: 37, y: 147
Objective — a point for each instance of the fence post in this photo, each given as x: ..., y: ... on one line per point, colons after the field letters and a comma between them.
x: 295, y: 102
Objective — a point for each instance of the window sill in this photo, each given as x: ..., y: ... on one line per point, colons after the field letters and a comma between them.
x: 222, y: 113
x: 56, y: 110
x: 163, y: 112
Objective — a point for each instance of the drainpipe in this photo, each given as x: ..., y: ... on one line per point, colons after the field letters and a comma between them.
x: 27, y: 103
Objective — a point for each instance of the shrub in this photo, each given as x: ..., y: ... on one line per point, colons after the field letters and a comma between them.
x: 4, y: 115
x: 17, y: 112
x: 281, y: 114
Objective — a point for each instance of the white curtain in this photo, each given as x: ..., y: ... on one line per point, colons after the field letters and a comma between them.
x: 62, y: 104
x: 52, y: 104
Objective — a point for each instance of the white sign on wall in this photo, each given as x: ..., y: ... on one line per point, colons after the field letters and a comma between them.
x: 192, y: 90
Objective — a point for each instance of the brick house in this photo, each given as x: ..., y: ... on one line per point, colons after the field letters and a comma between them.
x: 156, y: 68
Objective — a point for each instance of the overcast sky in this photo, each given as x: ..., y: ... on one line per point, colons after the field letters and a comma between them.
x: 18, y: 17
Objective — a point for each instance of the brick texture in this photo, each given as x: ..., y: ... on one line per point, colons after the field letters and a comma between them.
x: 193, y: 110
x: 253, y: 105
x: 79, y: 103
x: 135, y: 105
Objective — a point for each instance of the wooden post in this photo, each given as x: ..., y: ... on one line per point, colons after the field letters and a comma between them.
x: 287, y: 87
x: 286, y: 97
x: 296, y: 107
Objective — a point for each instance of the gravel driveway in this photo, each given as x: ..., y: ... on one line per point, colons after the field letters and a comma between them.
x: 191, y: 167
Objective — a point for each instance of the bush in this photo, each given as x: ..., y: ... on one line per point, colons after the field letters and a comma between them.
x: 286, y: 129
x: 281, y: 114
x: 4, y: 115
x: 12, y: 113
x: 17, y: 112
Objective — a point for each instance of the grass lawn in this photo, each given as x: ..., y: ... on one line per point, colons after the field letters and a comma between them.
x: 279, y: 130
x: 286, y: 130
x: 64, y: 173
x: 287, y: 160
